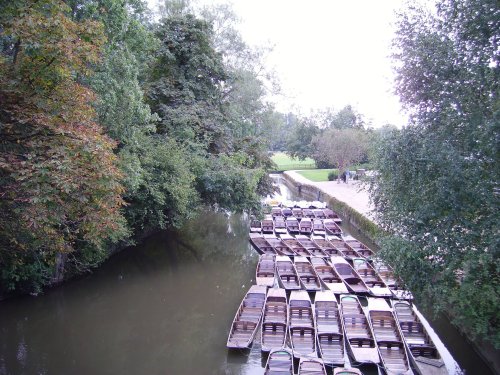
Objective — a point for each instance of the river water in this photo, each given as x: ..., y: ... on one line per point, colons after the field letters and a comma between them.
x: 162, y: 307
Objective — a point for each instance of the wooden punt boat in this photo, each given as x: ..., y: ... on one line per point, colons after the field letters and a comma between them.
x: 268, y: 225
x: 319, y: 213
x: 346, y: 371
x: 279, y: 362
x: 275, y: 211
x: 359, y: 337
x: 297, y: 212
x: 349, y: 276
x: 278, y: 245
x: 329, y: 332
x: 421, y: 349
x: 346, y: 251
x: 310, y: 246
x: 359, y: 247
x: 331, y: 227
x: 294, y: 244
x: 318, y: 228
x: 266, y: 270
x: 325, y: 245
x: 371, y: 278
x: 391, y: 348
x: 247, y: 318
x: 329, y: 214
x: 287, y: 274
x: 387, y: 274
x: 327, y: 274
x: 308, y: 277
x: 286, y: 212
x: 305, y: 226
x: 292, y: 225
x: 307, y: 212
x: 311, y: 366
x: 260, y: 244
x: 280, y: 225
x: 255, y: 226
x: 274, y: 321
x: 301, y: 324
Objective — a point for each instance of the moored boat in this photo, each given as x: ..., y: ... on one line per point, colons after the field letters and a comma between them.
x: 287, y: 274
x: 359, y: 337
x: 331, y: 227
x: 346, y: 371
x: 371, y: 278
x: 329, y: 332
x: 297, y: 212
x: 265, y: 273
x: 286, y: 211
x: 349, y: 276
x: 318, y: 228
x: 280, y: 225
x: 276, y: 211
x: 267, y: 225
x: 311, y: 366
x: 329, y: 214
x: 421, y: 349
x: 260, y: 244
x: 325, y: 245
x: 392, y: 351
x: 305, y: 226
x: 319, y: 213
x: 292, y: 225
x: 346, y: 251
x: 278, y: 245
x: 308, y: 277
x: 255, y: 226
x: 330, y: 278
x: 387, y: 274
x: 307, y: 212
x: 294, y: 244
x: 359, y: 247
x: 274, y: 321
x: 247, y: 318
x: 301, y: 325
x: 310, y: 246
x: 279, y: 362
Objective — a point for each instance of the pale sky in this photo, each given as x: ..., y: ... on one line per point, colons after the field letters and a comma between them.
x: 327, y: 53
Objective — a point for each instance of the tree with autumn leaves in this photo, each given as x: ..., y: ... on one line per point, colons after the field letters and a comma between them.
x: 60, y: 190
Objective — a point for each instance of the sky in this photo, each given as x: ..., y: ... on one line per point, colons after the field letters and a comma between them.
x: 326, y: 53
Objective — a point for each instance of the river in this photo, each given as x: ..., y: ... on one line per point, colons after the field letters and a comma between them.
x: 162, y: 307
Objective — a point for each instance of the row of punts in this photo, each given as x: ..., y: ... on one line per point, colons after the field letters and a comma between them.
x: 292, y: 225
x: 333, y: 327
x: 300, y: 260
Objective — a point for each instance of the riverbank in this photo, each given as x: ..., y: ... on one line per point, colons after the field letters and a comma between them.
x: 350, y: 200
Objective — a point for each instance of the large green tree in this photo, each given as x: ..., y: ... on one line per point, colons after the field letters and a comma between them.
x: 436, y: 190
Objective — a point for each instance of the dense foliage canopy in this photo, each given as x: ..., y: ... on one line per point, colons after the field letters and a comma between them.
x: 113, y: 125
x: 437, y: 186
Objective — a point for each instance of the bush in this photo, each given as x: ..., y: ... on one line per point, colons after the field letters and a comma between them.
x: 333, y: 175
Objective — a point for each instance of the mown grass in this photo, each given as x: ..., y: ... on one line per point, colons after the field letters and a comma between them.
x: 316, y: 175
x: 285, y: 162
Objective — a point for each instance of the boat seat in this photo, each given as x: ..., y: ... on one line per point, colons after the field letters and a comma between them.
x: 428, y: 351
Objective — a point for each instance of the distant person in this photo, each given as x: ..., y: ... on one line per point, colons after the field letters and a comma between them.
x: 347, y: 175
x: 343, y: 177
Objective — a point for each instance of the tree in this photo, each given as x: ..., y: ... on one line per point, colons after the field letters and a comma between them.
x: 299, y: 142
x: 59, y: 182
x: 436, y: 190
x: 340, y: 148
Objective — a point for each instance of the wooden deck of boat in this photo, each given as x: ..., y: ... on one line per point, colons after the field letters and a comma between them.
x: 274, y: 321
x: 311, y: 366
x: 329, y: 331
x: 279, y: 362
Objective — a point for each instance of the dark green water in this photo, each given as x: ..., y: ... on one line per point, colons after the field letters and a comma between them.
x: 163, y: 307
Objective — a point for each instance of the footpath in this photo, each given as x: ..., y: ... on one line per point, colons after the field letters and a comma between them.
x: 351, y: 193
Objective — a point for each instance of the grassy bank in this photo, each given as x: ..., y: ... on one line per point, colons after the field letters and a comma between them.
x: 316, y: 175
x: 285, y: 162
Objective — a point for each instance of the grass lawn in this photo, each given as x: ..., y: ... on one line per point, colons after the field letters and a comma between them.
x: 285, y: 162
x: 316, y: 175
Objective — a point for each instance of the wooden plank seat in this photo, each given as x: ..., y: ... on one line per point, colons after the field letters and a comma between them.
x: 303, y: 339
x: 273, y: 334
x: 428, y: 351
x: 359, y: 342
x: 332, y: 348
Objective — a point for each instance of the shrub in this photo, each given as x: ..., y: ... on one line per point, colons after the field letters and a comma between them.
x: 333, y: 175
